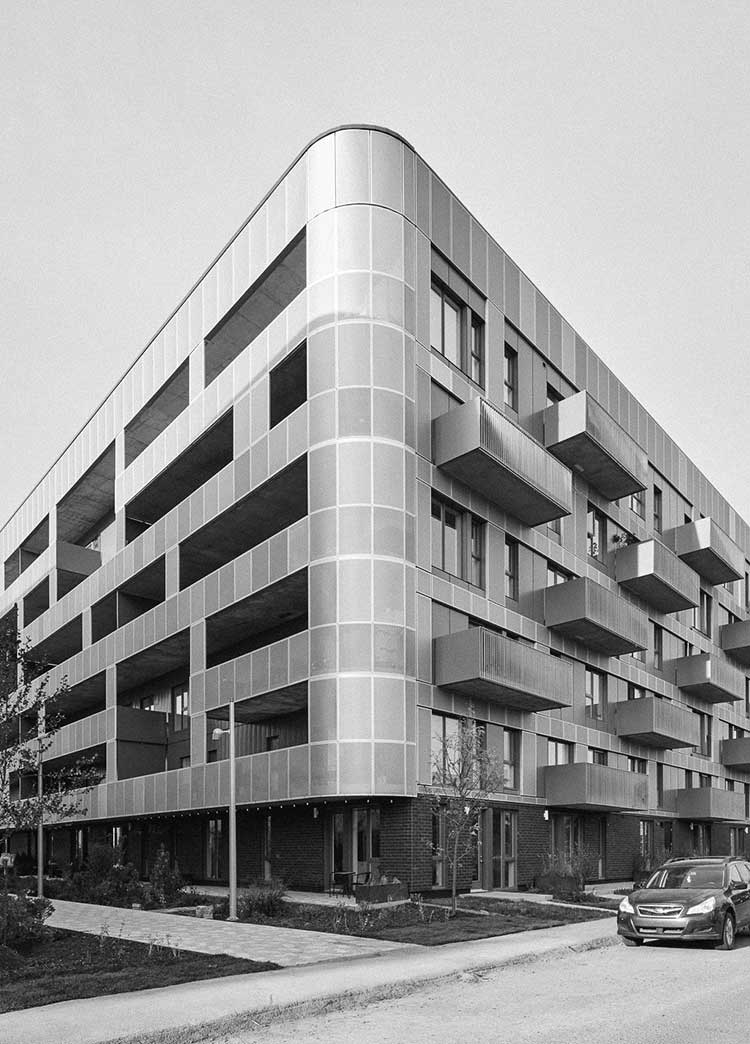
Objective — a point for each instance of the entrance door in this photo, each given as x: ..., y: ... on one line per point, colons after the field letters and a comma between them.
x: 267, y: 874
x: 355, y: 842
x: 476, y: 853
x: 504, y: 848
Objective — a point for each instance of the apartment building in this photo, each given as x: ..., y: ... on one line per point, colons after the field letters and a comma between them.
x: 365, y: 483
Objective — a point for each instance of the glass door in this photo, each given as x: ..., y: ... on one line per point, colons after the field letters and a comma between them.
x: 504, y: 848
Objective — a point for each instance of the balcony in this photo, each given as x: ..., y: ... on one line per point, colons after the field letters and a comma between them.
x: 588, y: 613
x: 584, y: 436
x: 595, y: 787
x: 734, y: 639
x: 735, y: 753
x: 481, y: 447
x: 709, y: 803
x: 709, y: 677
x: 651, y: 571
x: 656, y: 723
x: 709, y: 551
x: 481, y: 663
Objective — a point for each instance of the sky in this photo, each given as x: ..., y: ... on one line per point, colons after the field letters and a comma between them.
x: 603, y: 144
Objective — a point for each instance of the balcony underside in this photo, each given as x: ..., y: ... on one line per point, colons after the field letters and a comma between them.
x: 735, y: 753
x: 652, y: 572
x: 709, y: 551
x: 710, y: 803
x: 656, y: 723
x: 595, y: 788
x: 735, y: 641
x: 481, y: 663
x: 709, y: 678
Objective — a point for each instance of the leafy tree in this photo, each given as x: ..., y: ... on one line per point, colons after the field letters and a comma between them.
x: 29, y: 719
x: 464, y: 774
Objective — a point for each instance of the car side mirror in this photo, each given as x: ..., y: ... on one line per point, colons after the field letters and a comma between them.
x: 735, y: 885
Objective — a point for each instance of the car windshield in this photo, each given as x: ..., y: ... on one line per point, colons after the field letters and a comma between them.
x: 688, y: 877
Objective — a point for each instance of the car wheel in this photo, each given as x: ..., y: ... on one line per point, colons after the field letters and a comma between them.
x: 728, y: 933
x: 632, y: 942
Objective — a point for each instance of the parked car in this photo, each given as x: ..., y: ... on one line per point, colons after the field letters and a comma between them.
x: 691, y: 899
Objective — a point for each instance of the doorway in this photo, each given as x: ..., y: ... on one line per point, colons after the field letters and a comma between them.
x: 355, y: 842
x: 504, y: 848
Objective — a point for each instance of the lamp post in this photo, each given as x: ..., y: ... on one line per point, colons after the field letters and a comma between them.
x: 40, y: 800
x: 216, y: 734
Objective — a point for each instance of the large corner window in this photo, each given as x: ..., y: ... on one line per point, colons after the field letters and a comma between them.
x: 457, y: 542
x: 457, y: 320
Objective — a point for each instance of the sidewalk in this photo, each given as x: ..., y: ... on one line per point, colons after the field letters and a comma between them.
x: 289, y: 947
x: 136, y: 1015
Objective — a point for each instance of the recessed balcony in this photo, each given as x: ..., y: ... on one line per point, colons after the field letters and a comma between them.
x: 481, y: 447
x: 735, y: 753
x: 588, y: 613
x: 595, y: 787
x: 734, y: 639
x: 656, y: 723
x: 709, y: 551
x: 484, y: 664
x: 651, y: 571
x: 709, y: 803
x: 580, y: 433
x: 709, y: 677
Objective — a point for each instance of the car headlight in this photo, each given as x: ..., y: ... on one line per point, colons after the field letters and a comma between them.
x: 626, y: 906
x: 707, y: 906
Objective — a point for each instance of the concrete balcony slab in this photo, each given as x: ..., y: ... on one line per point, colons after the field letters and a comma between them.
x: 586, y: 612
x: 654, y: 573
x: 595, y: 787
x: 656, y: 723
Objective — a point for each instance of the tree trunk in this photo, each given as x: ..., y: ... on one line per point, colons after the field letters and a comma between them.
x: 454, y: 881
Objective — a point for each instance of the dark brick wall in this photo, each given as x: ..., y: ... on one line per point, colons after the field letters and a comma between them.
x: 534, y: 841
x: 622, y: 847
x: 404, y: 853
x: 297, y: 848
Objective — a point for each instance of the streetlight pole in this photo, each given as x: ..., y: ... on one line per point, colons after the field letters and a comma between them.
x: 40, y: 800
x: 232, y: 814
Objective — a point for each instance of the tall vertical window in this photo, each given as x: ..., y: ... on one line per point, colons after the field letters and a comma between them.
x: 511, y: 759
x: 595, y: 691
x: 559, y: 752
x: 511, y: 568
x: 181, y: 706
x: 457, y: 331
x: 596, y: 527
x: 659, y: 784
x: 658, y: 647
x: 510, y: 377
x: 703, y: 614
x: 638, y: 503
x: 457, y: 542
x: 658, y: 517
x: 747, y: 591
x: 704, y: 732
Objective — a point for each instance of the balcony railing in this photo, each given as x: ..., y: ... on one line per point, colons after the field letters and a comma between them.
x: 581, y: 433
x: 481, y: 447
x: 709, y: 803
x: 651, y: 571
x: 594, y: 787
x: 656, y: 723
x: 734, y: 639
x: 481, y: 663
x: 588, y: 613
x: 709, y: 551
x: 709, y: 677
x: 735, y: 753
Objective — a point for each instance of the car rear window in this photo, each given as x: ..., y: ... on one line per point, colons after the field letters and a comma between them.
x: 688, y: 877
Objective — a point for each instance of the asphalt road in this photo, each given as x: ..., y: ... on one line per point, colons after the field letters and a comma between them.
x: 658, y: 993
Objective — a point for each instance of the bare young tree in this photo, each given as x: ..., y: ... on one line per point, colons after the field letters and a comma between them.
x: 464, y: 774
x: 29, y: 719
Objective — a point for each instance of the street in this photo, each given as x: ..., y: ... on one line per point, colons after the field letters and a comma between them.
x: 659, y: 993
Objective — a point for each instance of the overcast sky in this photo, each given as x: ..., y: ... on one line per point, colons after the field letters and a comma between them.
x: 603, y: 144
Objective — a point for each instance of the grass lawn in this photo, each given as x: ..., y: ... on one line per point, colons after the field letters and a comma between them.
x: 70, y: 965
x: 428, y: 925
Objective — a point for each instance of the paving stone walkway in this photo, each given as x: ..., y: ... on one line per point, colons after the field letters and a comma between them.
x: 287, y: 947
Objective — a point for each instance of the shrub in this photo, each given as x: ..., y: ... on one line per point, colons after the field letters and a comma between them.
x: 166, y: 881
x: 567, y: 872
x: 261, y: 899
x: 104, y: 880
x: 22, y: 918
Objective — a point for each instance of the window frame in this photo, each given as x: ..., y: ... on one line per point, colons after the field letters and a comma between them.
x: 470, y: 542
x: 594, y: 685
x: 511, y: 561
x: 470, y: 331
x: 510, y: 377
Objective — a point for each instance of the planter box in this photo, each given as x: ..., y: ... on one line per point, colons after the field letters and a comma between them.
x: 381, y: 893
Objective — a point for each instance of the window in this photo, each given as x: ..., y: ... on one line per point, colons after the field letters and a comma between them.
x: 724, y: 616
x: 511, y: 759
x: 597, y: 756
x: 688, y: 779
x: 704, y: 780
x: 747, y: 592
x: 511, y: 568
x: 658, y: 518
x: 646, y: 838
x: 457, y: 542
x: 747, y: 697
x: 510, y: 377
x: 555, y: 526
x: 703, y: 614
x: 559, y: 752
x: 636, y: 692
x: 638, y: 503
x: 287, y: 385
x: 658, y: 647
x: 556, y: 574
x: 595, y: 693
x: 148, y: 703
x: 443, y: 732
x: 181, y: 706
x: 553, y: 395
x: 456, y: 332
x: 596, y: 532
x: 704, y: 727
x: 659, y: 784
x: 729, y: 785
x: 185, y: 761
x: 636, y: 764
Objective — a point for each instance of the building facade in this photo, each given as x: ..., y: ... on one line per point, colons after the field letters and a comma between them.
x: 366, y: 483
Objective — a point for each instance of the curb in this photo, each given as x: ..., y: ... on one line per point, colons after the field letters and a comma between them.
x: 256, y: 1018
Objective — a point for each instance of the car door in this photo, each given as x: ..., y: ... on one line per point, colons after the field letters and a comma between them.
x: 739, y: 882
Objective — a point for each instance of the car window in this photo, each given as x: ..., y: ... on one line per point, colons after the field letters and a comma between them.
x: 744, y: 872
x: 734, y: 874
x: 688, y: 877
